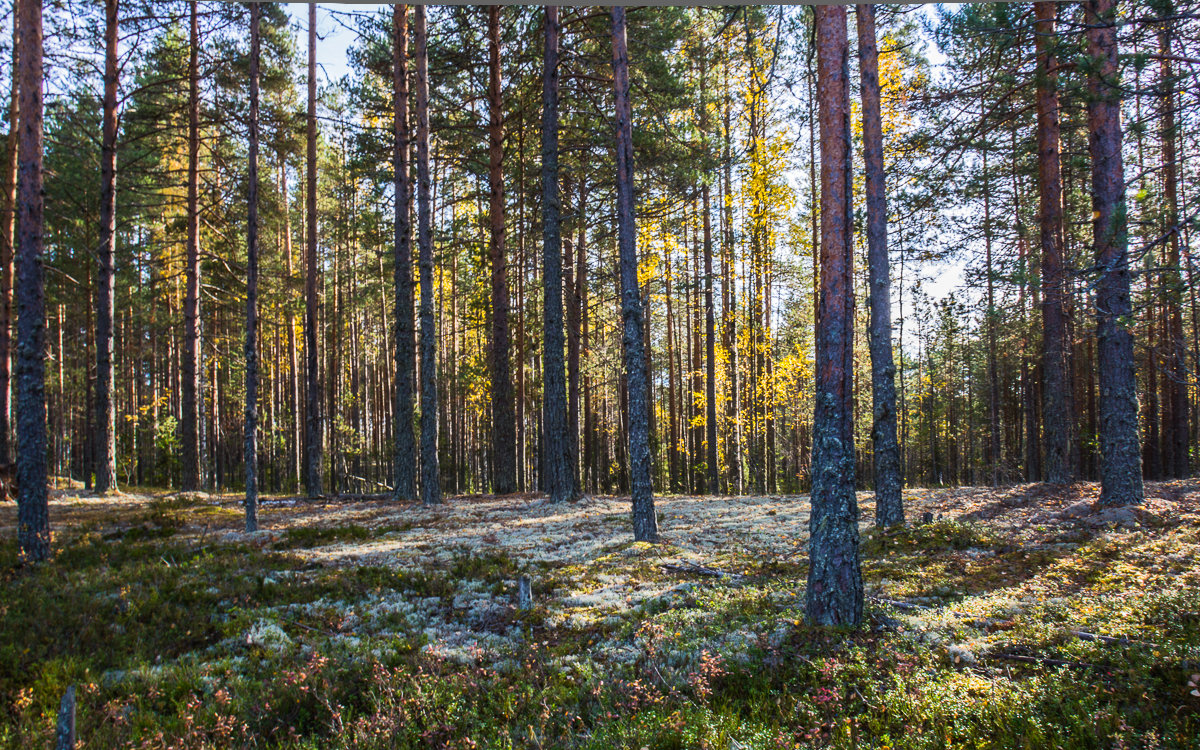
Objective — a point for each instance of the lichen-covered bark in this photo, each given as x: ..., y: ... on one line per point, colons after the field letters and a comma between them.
x: 1121, y: 461
x: 645, y: 523
x: 431, y: 490
x: 250, y: 436
x: 312, y: 412
x: 504, y: 446
x: 190, y: 388
x: 1058, y: 413
x: 834, y: 595
x: 556, y: 457
x: 405, y: 437
x: 105, y: 428
x: 33, y: 519
x: 889, y: 507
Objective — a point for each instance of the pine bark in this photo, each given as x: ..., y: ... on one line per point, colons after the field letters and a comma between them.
x: 1120, y: 467
x: 1057, y: 395
x: 889, y: 507
x: 105, y: 440
x: 250, y: 436
x: 405, y: 437
x: 312, y: 413
x: 33, y: 520
x: 835, y: 595
x: 1176, y: 442
x: 191, y: 390
x: 8, y: 228
x: 431, y: 491
x: 504, y: 454
x: 645, y: 523
x: 556, y: 454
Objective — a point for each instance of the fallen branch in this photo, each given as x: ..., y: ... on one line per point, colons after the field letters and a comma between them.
x: 699, y: 570
x: 1043, y: 660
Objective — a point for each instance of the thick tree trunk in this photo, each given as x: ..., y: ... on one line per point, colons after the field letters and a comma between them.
x: 504, y: 454
x: 312, y: 419
x: 191, y: 390
x: 645, y: 523
x: 33, y: 520
x: 8, y: 227
x: 1121, y: 466
x: 1177, y: 440
x: 1057, y: 396
x: 431, y: 491
x: 835, y: 595
x: 105, y: 441
x: 556, y: 454
x: 889, y: 508
x: 250, y: 437
x: 405, y: 437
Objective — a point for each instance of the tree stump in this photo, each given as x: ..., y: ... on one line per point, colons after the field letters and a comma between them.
x: 65, y: 733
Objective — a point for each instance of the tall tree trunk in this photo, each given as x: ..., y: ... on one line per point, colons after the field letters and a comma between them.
x: 33, y: 520
x: 577, y: 280
x: 1177, y: 441
x: 431, y: 491
x: 8, y: 227
x: 504, y: 454
x: 889, y: 507
x: 835, y: 595
x: 250, y: 438
x: 1120, y: 468
x: 1057, y: 397
x: 105, y: 441
x: 405, y: 438
x: 312, y: 420
x: 191, y: 390
x: 993, y: 369
x: 556, y: 454
x: 645, y: 523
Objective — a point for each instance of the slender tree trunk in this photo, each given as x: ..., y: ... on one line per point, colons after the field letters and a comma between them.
x: 105, y: 441
x: 1057, y: 400
x: 504, y: 455
x: 191, y: 387
x: 33, y: 520
x: 993, y: 369
x: 574, y: 323
x: 431, y: 491
x: 405, y: 438
x: 835, y: 595
x: 645, y: 523
x: 889, y: 507
x: 1177, y: 441
x: 556, y: 454
x: 8, y: 227
x: 250, y: 438
x: 312, y: 422
x: 1120, y: 468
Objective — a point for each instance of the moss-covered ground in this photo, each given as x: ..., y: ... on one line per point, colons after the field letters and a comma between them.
x: 1017, y: 618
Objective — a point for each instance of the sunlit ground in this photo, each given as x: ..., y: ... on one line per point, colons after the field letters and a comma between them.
x: 1019, y: 617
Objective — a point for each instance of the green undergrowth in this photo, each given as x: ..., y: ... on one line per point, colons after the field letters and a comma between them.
x: 969, y: 640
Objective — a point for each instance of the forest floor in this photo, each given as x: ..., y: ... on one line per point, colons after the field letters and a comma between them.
x: 1018, y: 617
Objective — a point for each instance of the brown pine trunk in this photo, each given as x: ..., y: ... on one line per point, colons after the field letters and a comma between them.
x: 105, y: 440
x: 312, y: 420
x: 8, y: 226
x: 431, y: 491
x: 1120, y: 468
x: 405, y: 439
x: 889, y: 508
x: 250, y: 437
x: 1057, y: 397
x: 1176, y: 444
x: 504, y: 454
x: 191, y: 390
x: 645, y: 523
x: 33, y: 522
x: 835, y: 595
